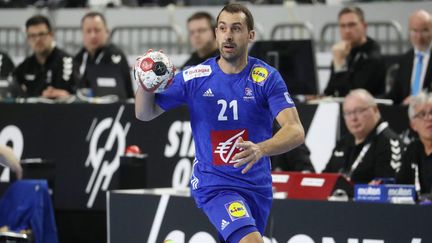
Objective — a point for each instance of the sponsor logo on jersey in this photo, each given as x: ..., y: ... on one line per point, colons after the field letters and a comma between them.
x: 208, y: 93
x: 288, y: 98
x: 236, y: 210
x: 224, y: 224
x: 196, y: 72
x: 223, y: 145
x: 259, y: 74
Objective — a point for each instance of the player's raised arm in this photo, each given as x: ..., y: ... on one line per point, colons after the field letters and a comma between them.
x: 154, y: 73
x: 146, y: 108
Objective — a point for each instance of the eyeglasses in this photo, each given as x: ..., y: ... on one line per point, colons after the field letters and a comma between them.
x: 422, y: 32
x: 355, y: 112
x: 199, y: 31
x: 37, y: 35
x: 423, y: 115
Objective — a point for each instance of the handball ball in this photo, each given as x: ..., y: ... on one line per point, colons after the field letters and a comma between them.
x: 154, y: 71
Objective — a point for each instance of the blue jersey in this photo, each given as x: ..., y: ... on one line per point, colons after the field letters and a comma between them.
x: 224, y: 107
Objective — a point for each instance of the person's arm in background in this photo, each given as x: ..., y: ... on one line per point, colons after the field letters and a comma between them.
x: 8, y: 158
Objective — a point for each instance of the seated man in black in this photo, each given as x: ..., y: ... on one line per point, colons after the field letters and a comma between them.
x: 49, y: 71
x: 371, y: 150
x: 356, y: 58
x: 417, y: 159
x: 98, y: 57
x: 201, y: 27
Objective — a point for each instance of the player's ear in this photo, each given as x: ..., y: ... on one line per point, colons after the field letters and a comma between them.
x: 252, y: 35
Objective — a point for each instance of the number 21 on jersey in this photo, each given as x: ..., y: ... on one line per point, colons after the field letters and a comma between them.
x: 232, y: 105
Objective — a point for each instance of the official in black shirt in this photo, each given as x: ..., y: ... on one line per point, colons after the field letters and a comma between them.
x: 201, y: 26
x: 49, y: 71
x: 417, y: 159
x: 371, y: 150
x: 97, y: 52
x: 357, y: 59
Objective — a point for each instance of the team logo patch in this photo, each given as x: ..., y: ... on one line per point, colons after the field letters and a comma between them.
x: 259, y: 74
x: 248, y: 95
x: 236, y: 210
x: 196, y: 72
x: 223, y: 145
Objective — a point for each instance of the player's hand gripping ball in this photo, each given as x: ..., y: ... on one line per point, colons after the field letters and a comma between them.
x: 154, y: 71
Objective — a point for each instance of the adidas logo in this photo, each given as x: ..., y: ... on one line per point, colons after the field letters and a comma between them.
x: 224, y: 224
x: 208, y: 93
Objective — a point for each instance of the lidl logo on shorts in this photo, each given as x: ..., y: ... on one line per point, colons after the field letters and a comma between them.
x: 259, y: 74
x: 236, y: 210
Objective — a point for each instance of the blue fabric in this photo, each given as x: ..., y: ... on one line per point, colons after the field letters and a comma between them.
x: 230, y: 210
x: 418, y: 70
x: 27, y: 205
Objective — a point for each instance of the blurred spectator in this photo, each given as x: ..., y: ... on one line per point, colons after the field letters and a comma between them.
x: 414, y: 73
x: 97, y: 57
x: 371, y: 149
x: 297, y: 159
x: 356, y: 58
x: 201, y: 27
x: 417, y: 159
x: 8, y: 159
x: 6, y: 66
x: 49, y: 71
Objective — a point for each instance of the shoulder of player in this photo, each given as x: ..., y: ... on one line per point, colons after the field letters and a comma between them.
x: 261, y: 72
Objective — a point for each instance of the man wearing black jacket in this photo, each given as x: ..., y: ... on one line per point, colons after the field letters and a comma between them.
x: 201, y: 27
x: 356, y: 58
x: 414, y: 74
x: 417, y: 159
x: 97, y: 57
x: 371, y: 150
x: 49, y: 71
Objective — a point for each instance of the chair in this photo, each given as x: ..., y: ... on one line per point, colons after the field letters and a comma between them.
x: 26, y: 205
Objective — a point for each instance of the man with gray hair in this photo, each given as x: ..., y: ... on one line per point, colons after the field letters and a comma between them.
x: 371, y: 150
x: 417, y: 159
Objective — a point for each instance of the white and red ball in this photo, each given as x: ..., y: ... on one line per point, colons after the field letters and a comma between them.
x: 154, y: 71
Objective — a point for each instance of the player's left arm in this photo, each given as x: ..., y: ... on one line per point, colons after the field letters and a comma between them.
x: 288, y: 137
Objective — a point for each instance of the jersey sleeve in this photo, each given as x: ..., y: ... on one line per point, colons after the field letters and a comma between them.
x: 174, y: 96
x: 277, y: 94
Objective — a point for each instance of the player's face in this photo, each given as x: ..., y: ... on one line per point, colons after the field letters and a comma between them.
x: 420, y: 32
x: 352, y: 29
x: 233, y: 35
x: 95, y: 33
x: 360, y: 117
x: 200, y: 34
x: 422, y: 121
x: 40, y: 39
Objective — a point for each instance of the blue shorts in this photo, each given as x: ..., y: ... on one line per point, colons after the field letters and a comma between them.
x: 235, y: 212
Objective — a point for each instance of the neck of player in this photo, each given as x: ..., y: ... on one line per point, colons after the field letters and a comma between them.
x: 233, y: 66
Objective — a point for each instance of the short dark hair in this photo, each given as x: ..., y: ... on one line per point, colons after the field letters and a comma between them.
x: 203, y: 15
x: 236, y: 8
x: 93, y: 14
x: 37, y: 20
x: 352, y: 9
